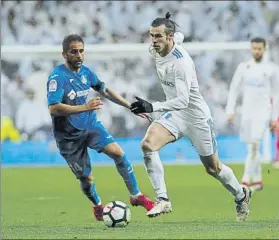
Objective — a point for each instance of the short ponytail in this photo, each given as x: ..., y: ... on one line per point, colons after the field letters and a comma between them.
x: 168, y: 15
x: 170, y: 25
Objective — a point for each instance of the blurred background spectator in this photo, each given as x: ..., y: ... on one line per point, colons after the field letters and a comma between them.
x: 23, y: 83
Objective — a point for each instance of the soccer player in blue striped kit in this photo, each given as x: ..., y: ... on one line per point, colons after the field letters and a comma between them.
x: 76, y: 127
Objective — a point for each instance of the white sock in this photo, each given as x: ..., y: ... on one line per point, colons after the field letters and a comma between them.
x: 248, y: 166
x: 257, y: 167
x: 229, y: 181
x: 155, y: 171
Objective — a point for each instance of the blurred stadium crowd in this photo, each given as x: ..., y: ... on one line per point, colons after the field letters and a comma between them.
x: 23, y: 96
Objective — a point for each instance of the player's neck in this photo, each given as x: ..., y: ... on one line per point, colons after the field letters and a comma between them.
x: 76, y: 70
x: 168, y: 49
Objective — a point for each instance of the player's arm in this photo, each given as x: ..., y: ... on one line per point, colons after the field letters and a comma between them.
x: 61, y: 109
x: 108, y: 93
x: 183, y: 77
x: 55, y: 93
x: 114, y: 97
x: 234, y: 91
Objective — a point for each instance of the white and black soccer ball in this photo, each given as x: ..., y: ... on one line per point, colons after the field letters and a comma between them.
x: 116, y: 214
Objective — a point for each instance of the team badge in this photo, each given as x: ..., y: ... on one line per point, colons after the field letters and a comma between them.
x: 83, y: 79
x: 72, y: 94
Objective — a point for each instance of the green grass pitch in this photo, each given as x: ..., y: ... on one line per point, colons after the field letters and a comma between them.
x: 47, y: 203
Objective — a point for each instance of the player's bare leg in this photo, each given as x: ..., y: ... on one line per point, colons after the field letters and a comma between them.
x: 125, y: 169
x: 156, y: 137
x: 226, y: 176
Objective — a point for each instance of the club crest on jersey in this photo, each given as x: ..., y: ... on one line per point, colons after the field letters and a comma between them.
x: 72, y: 94
x: 83, y: 79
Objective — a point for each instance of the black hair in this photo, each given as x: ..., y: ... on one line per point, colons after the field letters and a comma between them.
x: 170, y: 25
x: 259, y: 40
x: 70, y: 38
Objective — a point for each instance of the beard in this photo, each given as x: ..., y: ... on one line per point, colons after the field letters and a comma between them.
x: 75, y: 64
x: 258, y: 58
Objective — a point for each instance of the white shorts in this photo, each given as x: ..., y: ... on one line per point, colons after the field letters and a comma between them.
x: 200, y: 133
x: 252, y: 130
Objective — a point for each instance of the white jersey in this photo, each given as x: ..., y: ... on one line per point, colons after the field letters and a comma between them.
x: 178, y: 77
x: 259, y: 83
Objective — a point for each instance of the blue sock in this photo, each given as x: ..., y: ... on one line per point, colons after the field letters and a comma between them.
x: 90, y: 192
x: 125, y: 169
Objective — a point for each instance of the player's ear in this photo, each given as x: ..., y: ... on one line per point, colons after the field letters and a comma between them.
x: 170, y: 35
x: 64, y: 55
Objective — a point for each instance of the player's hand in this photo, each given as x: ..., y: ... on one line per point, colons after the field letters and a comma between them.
x: 141, y: 106
x: 230, y: 118
x: 273, y: 125
x: 94, y: 104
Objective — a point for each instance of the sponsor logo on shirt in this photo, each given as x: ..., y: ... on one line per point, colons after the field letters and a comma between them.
x: 82, y: 93
x: 169, y: 84
x: 52, y: 87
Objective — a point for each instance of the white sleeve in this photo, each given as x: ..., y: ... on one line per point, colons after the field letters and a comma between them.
x: 275, y: 94
x: 183, y: 77
x: 234, y: 90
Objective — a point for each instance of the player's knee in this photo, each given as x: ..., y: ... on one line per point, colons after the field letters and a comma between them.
x: 213, y: 170
x: 147, y: 146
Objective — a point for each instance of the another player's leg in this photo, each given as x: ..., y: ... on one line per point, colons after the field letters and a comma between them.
x: 204, y: 141
x: 156, y: 137
x: 256, y: 168
x: 225, y: 175
x: 79, y: 162
x: 248, y: 166
x: 125, y: 169
x: 252, y: 132
x: 102, y: 141
x: 89, y: 189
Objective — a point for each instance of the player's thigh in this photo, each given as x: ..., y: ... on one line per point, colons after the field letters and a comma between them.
x: 253, y: 129
x: 76, y: 155
x: 160, y: 133
x: 100, y: 139
x: 202, y: 137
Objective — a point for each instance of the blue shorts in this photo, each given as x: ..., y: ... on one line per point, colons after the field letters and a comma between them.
x: 73, y: 147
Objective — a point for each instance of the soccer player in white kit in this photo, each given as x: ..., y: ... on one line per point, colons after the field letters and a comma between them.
x: 258, y: 81
x: 184, y: 113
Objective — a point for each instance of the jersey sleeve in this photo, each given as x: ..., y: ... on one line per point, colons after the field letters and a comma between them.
x: 234, y: 89
x: 55, y: 90
x: 96, y: 84
x: 183, y: 78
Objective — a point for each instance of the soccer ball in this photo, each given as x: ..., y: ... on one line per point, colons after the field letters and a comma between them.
x: 116, y: 214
